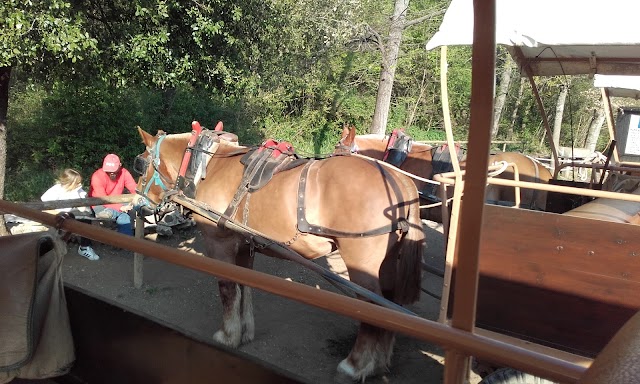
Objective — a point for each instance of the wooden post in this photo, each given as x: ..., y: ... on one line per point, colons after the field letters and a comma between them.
x: 138, y: 258
x: 483, y: 66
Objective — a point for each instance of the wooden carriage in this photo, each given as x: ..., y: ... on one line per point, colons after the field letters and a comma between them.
x: 563, y: 284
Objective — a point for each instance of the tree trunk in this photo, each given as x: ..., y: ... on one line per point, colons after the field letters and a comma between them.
x: 516, y: 108
x: 501, y: 97
x: 557, y: 119
x: 388, y: 67
x: 594, y: 130
x: 5, y: 76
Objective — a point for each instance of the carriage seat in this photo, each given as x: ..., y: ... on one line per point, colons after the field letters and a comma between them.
x: 619, y: 361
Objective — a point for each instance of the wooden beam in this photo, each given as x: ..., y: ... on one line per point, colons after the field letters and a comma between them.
x: 72, y: 203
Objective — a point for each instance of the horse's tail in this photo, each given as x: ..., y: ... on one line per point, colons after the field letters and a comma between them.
x: 412, y: 245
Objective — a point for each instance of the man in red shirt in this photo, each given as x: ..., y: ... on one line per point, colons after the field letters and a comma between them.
x: 112, y: 179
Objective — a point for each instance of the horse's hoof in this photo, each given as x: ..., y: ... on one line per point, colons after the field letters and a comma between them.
x: 343, y: 378
x: 347, y: 373
x: 247, y: 337
x: 222, y: 338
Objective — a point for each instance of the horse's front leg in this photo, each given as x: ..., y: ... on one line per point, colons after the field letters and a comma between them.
x: 245, y: 259
x: 238, y: 325
x: 227, y: 249
x: 230, y: 333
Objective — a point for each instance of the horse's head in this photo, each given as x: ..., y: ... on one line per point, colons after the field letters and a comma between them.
x: 159, y: 164
x: 347, y: 141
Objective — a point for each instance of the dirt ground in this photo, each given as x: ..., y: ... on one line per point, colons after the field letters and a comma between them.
x: 293, y: 336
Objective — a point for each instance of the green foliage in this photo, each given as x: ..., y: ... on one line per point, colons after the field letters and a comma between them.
x: 28, y: 183
x: 88, y: 73
x: 76, y: 126
x: 427, y: 135
x: 42, y: 33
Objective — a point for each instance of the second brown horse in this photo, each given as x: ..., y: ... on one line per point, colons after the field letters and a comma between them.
x: 420, y: 162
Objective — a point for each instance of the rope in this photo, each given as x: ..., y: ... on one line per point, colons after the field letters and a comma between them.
x: 500, y: 170
x: 435, y: 204
x: 411, y: 175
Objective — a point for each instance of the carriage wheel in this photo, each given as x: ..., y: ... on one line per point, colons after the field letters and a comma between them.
x: 511, y: 376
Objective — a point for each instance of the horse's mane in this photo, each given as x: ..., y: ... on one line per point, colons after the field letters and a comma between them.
x: 187, y: 136
x: 417, y: 147
x: 228, y: 147
x: 179, y: 136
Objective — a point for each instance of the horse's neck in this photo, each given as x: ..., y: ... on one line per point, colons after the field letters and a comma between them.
x: 372, y: 141
x: 174, y: 148
x: 373, y: 136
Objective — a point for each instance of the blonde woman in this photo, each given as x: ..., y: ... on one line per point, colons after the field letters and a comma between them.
x: 69, y: 186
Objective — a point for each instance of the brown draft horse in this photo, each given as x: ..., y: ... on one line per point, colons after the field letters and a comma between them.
x: 420, y: 161
x: 369, y: 214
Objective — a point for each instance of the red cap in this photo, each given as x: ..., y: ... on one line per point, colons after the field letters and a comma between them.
x: 111, y: 163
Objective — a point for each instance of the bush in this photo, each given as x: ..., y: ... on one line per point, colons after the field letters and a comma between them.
x: 75, y: 126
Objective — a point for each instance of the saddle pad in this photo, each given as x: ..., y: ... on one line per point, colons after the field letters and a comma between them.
x: 261, y: 163
x: 19, y: 321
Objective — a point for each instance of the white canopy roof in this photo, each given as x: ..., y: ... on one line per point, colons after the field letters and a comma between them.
x: 619, y: 86
x: 556, y: 36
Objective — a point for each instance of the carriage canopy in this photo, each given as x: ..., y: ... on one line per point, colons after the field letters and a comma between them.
x: 556, y: 37
x: 619, y: 86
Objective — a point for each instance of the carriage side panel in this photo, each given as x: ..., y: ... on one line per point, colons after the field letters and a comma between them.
x: 562, y: 281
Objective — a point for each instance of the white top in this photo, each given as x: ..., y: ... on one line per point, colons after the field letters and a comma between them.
x: 619, y: 86
x: 57, y: 192
x: 552, y: 30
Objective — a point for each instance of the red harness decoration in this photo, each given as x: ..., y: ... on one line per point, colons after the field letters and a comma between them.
x: 279, y: 148
x: 195, y: 132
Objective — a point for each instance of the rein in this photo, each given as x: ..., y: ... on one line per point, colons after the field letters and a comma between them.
x: 263, y: 241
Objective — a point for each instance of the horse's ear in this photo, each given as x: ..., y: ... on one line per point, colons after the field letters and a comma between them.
x: 345, y: 131
x: 352, y: 134
x: 146, y: 137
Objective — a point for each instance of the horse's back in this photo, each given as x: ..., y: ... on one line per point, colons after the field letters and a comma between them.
x: 343, y: 193
x: 529, y: 170
x: 351, y: 193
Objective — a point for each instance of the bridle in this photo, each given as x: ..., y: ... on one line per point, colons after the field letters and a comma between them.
x: 141, y: 165
x: 157, y: 178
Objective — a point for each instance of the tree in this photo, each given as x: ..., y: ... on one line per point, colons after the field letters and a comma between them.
x: 516, y: 107
x: 389, y: 51
x: 557, y: 119
x: 5, y: 77
x: 43, y: 36
x: 594, y: 129
x: 501, y: 97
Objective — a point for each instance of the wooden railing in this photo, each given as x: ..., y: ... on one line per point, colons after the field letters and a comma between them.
x: 483, y: 347
x: 138, y: 271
